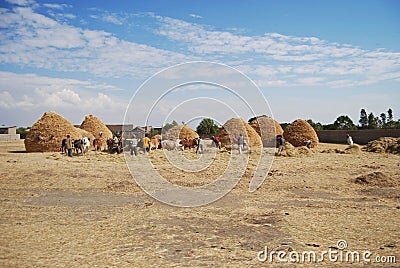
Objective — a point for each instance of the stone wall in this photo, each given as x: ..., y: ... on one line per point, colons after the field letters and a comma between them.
x: 359, y: 136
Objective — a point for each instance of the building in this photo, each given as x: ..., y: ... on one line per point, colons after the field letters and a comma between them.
x: 8, y: 133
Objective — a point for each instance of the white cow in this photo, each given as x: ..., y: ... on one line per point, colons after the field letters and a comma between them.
x: 86, y: 144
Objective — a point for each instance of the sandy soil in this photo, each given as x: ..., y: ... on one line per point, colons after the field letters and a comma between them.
x: 87, y: 211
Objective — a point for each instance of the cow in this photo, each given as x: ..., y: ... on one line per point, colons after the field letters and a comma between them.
x: 114, y: 145
x: 64, y: 146
x: 86, y: 144
x: 97, y: 144
x: 171, y: 145
x: 188, y: 143
x: 82, y: 145
x: 78, y: 145
x: 154, y: 143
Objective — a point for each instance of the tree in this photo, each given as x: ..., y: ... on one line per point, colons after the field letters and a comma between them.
x: 390, y: 115
x: 168, y: 126
x: 373, y: 122
x: 22, y: 132
x: 383, y: 119
x: 316, y: 126
x: 363, y: 119
x: 207, y: 127
x: 344, y: 122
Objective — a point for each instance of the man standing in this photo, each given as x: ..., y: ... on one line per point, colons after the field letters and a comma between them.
x: 68, y: 145
x: 200, y: 145
x: 240, y: 140
x: 146, y: 143
x: 134, y: 144
x: 349, y: 140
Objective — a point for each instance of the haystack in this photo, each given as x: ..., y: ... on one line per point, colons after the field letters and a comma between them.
x: 85, y: 133
x: 180, y: 132
x: 47, y: 133
x: 298, y: 132
x: 267, y: 128
x: 94, y: 125
x: 233, y: 128
x: 384, y: 145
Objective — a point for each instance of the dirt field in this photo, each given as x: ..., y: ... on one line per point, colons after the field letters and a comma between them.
x: 87, y: 211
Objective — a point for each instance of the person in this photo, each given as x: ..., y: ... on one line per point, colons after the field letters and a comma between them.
x: 217, y: 142
x: 68, y: 145
x: 308, y: 143
x: 281, y: 143
x: 116, y: 144
x: 134, y: 144
x: 240, y: 141
x: 146, y: 143
x: 349, y: 139
x: 199, y: 145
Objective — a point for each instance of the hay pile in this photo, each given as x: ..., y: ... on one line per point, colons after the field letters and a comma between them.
x: 269, y: 127
x: 180, y: 132
x: 48, y: 132
x: 291, y: 151
x: 233, y: 128
x: 384, y: 145
x: 376, y: 179
x: 298, y: 132
x: 94, y: 125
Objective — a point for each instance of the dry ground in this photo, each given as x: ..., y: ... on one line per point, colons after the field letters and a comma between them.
x: 87, y: 211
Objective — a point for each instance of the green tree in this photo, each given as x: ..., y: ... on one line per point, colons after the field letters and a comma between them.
x: 284, y: 125
x: 256, y: 117
x: 207, y: 126
x: 168, y: 126
x: 22, y: 132
x: 316, y: 126
x: 344, y: 122
x: 363, y: 119
x: 383, y: 120
x: 390, y: 115
x: 373, y: 122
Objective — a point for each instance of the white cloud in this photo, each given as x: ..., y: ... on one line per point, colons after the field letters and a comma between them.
x: 284, y: 55
x: 196, y: 16
x: 56, y: 6
x: 38, y: 41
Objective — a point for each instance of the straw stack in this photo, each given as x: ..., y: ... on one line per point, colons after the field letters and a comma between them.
x: 47, y: 133
x: 231, y: 130
x: 267, y: 128
x: 300, y: 131
x: 94, y: 125
x: 180, y: 132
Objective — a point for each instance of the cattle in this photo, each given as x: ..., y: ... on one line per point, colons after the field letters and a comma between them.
x: 171, y: 145
x: 114, y: 145
x: 154, y: 143
x: 78, y: 145
x: 86, y: 144
x: 64, y: 146
x: 188, y: 143
x: 97, y: 144
x: 82, y: 145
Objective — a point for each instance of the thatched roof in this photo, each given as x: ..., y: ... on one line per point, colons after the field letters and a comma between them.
x: 298, y: 132
x: 48, y: 132
x: 269, y: 127
x: 233, y: 128
x: 180, y: 132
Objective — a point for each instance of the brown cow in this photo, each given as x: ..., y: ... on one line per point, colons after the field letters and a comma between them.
x: 188, y: 143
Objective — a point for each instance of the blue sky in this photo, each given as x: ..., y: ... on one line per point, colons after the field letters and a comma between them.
x: 310, y: 59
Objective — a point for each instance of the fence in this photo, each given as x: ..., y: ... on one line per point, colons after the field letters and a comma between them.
x: 359, y: 136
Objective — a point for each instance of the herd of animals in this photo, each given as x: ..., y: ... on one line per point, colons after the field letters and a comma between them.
x: 116, y: 144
